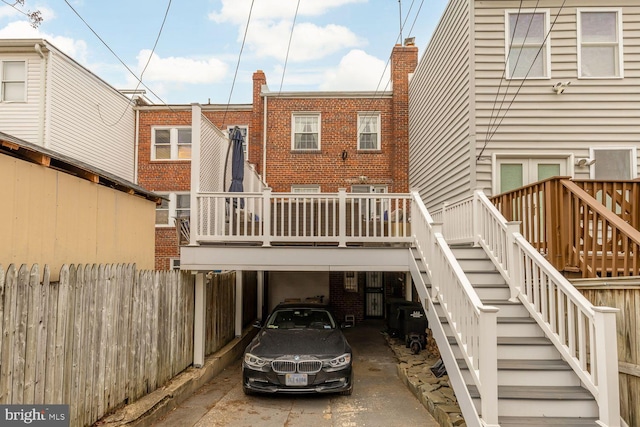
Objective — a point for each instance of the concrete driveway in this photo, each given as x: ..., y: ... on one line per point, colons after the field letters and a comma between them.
x: 379, y: 397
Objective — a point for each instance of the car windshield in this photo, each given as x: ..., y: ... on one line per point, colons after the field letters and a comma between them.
x: 301, y: 318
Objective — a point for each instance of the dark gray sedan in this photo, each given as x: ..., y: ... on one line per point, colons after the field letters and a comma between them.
x: 299, y: 349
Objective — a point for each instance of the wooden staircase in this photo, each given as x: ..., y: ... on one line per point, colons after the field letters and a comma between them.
x: 535, y: 386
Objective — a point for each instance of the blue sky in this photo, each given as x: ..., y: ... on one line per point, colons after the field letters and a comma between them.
x: 335, y: 44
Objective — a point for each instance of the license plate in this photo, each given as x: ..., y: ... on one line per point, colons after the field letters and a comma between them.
x: 296, y: 379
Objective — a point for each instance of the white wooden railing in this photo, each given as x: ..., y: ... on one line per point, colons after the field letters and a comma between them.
x: 584, y: 334
x: 474, y: 325
x: 265, y: 217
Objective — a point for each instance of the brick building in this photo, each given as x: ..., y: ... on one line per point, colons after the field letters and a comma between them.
x: 298, y: 142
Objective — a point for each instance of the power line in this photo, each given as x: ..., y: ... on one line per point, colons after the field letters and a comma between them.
x: 164, y: 20
x: 113, y: 53
x: 286, y: 58
x: 544, y: 41
x: 238, y: 63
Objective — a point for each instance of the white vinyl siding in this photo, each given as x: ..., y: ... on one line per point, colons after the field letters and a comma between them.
x: 305, y: 131
x: 89, y: 120
x: 13, y: 87
x: 527, y: 47
x: 600, y: 50
x: 369, y: 131
x: 440, y: 121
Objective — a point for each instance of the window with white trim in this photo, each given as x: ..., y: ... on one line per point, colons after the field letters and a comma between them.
x: 244, y: 130
x: 14, y: 81
x: 305, y: 188
x: 614, y: 163
x: 600, y: 43
x: 171, y: 143
x: 368, y: 131
x: 527, y: 48
x: 351, y: 281
x: 174, y: 263
x: 305, y: 132
x: 176, y: 205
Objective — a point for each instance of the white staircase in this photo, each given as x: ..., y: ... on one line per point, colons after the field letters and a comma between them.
x: 530, y: 350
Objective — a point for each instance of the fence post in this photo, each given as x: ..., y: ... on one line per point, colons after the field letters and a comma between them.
x: 488, y: 365
x: 607, y: 366
x: 266, y: 227
x: 199, y: 322
x: 342, y: 215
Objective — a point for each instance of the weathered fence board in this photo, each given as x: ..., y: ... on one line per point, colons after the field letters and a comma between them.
x: 101, y: 336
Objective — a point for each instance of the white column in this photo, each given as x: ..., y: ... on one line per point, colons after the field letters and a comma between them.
x: 260, y: 295
x: 199, y: 322
x: 238, y: 303
x: 408, y: 287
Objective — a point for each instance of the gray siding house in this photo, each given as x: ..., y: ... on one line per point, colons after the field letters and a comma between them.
x: 48, y: 99
x: 508, y: 93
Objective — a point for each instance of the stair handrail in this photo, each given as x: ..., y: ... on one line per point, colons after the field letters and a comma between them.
x: 584, y: 334
x: 474, y: 324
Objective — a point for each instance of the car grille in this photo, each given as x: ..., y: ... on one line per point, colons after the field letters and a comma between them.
x: 291, y: 366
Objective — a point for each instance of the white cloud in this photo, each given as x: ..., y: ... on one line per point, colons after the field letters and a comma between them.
x: 237, y: 11
x: 7, y: 11
x: 309, y: 41
x: 77, y: 49
x: 180, y: 69
x: 357, y: 71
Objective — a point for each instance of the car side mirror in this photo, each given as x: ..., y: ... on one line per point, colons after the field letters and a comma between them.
x: 257, y: 324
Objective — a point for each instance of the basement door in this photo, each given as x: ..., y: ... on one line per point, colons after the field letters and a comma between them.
x: 374, y: 295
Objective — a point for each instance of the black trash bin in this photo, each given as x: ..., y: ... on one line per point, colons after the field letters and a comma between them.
x: 414, y: 326
x: 394, y: 318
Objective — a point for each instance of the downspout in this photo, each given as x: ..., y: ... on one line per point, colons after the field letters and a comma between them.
x: 135, y: 151
x: 264, y: 142
x: 43, y: 85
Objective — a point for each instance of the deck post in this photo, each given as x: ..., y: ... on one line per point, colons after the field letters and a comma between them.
x: 342, y: 217
x: 199, y: 321
x: 266, y: 226
x: 239, y: 304
x: 260, y: 296
x: 514, y: 261
x: 607, y: 366
x: 488, y: 365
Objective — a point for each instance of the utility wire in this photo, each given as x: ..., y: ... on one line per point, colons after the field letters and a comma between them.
x: 114, y: 54
x: 164, y: 20
x: 286, y: 58
x: 525, y: 77
x: 237, y: 65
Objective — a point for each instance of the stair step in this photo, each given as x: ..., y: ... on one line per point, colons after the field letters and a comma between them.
x: 529, y: 365
x: 518, y: 348
x: 507, y: 327
x: 546, y: 421
x: 529, y: 372
x: 538, y: 392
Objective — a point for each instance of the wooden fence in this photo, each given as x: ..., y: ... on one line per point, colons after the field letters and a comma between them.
x: 103, y: 336
x: 626, y: 297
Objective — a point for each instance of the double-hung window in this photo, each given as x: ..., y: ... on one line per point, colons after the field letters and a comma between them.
x: 305, y: 131
x: 176, y: 205
x: 600, y: 43
x: 14, y: 81
x: 527, y: 49
x: 369, y: 131
x: 171, y: 143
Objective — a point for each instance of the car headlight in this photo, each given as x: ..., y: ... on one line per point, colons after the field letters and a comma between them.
x: 254, y: 362
x: 340, y: 361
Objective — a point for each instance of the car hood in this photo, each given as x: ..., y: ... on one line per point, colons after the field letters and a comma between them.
x: 277, y: 342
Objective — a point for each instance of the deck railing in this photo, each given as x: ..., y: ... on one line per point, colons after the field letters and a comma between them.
x: 585, y: 335
x: 324, y: 218
x: 588, y: 228
x: 474, y: 324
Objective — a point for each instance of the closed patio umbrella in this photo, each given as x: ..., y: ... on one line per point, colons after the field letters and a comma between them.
x: 237, y: 164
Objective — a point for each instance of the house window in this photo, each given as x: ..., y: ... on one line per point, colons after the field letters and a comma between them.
x: 613, y: 163
x: 171, y: 143
x: 527, y: 48
x: 244, y: 130
x: 177, y: 205
x: 600, y: 44
x: 351, y: 281
x: 305, y: 188
x: 174, y: 263
x: 369, y: 131
x: 306, y: 132
x: 516, y: 171
x: 13, y: 81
